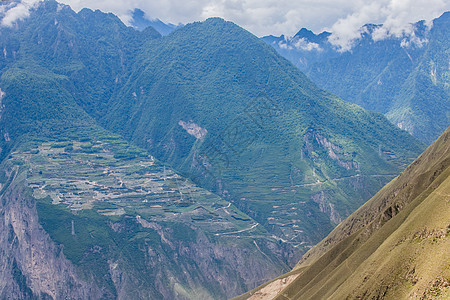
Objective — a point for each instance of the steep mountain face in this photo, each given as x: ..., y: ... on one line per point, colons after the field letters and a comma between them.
x: 222, y: 107
x: 106, y: 226
x: 246, y: 152
x: 32, y: 265
x: 393, y: 247
x: 404, y: 78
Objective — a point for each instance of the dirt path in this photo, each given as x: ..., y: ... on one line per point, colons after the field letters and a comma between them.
x: 239, y: 231
x: 341, y: 178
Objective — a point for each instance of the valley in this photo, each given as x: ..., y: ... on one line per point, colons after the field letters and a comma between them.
x: 195, y: 163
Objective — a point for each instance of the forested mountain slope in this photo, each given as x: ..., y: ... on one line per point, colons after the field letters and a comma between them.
x: 223, y: 108
x: 85, y: 214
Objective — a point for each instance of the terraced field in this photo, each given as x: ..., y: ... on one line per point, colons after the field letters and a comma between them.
x: 99, y: 175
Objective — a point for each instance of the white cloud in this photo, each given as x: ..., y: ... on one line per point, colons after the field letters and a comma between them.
x: 16, y: 11
x: 396, y: 16
x: 303, y: 44
x: 349, y: 29
x: 289, y: 43
x: 284, y: 45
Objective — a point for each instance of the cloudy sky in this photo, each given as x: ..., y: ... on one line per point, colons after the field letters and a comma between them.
x: 263, y: 17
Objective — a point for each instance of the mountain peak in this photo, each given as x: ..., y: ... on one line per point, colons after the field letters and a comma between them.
x: 305, y: 33
x: 311, y: 36
x: 219, y: 23
x: 215, y: 31
x: 215, y: 20
x: 444, y: 19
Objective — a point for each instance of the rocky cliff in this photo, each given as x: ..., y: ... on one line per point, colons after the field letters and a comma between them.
x: 33, y: 266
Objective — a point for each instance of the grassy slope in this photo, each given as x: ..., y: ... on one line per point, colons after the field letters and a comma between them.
x: 395, y: 246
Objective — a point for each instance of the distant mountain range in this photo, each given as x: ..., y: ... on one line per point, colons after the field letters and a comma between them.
x: 394, y: 247
x: 405, y: 78
x: 194, y: 165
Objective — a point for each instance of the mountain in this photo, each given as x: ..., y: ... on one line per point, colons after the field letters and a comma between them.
x: 304, y: 49
x: 394, y: 247
x: 169, y: 167
x: 84, y: 213
x: 405, y: 78
x: 140, y: 21
x: 224, y: 109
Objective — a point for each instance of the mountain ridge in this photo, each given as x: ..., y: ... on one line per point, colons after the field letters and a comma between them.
x: 160, y: 232
x: 140, y: 21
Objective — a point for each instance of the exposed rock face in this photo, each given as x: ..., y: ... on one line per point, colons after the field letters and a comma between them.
x: 334, y: 152
x: 32, y: 265
x: 272, y: 289
x: 196, y: 269
x: 327, y: 207
x: 193, y: 129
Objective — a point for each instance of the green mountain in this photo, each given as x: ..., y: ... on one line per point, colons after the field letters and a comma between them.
x: 404, y: 78
x: 224, y: 109
x: 85, y: 214
x: 169, y: 167
x: 394, y: 247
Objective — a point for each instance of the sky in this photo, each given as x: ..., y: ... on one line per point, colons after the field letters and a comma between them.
x: 343, y: 18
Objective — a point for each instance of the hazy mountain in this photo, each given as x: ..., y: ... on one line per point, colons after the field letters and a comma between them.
x: 169, y: 167
x: 404, y: 78
x: 394, y: 247
x: 140, y: 21
x: 304, y: 49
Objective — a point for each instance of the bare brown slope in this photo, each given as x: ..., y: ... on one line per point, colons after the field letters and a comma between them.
x: 393, y: 247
